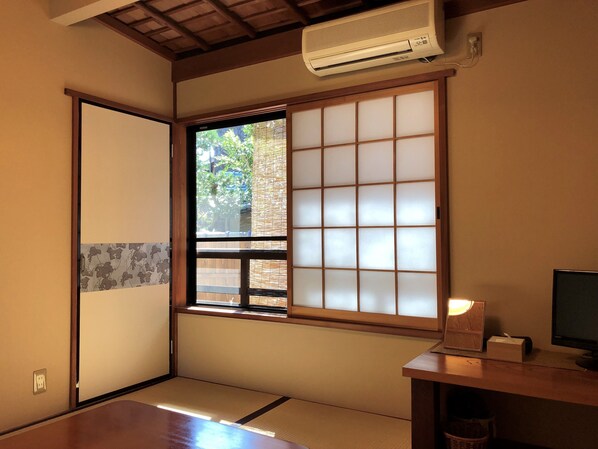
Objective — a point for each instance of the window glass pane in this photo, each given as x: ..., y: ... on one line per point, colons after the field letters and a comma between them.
x: 376, y: 162
x: 416, y: 249
x: 340, y: 248
x: 213, y: 274
x: 415, y: 113
x: 376, y: 206
x: 375, y: 119
x: 377, y: 292
x: 415, y: 159
x: 341, y: 290
x: 269, y: 189
x: 339, y: 165
x: 306, y: 168
x: 339, y: 124
x: 417, y: 295
x: 307, y: 207
x: 307, y: 127
x: 339, y: 206
x: 218, y: 299
x: 268, y: 274
x: 240, y: 185
x: 268, y: 244
x: 376, y: 249
x: 307, y: 287
x: 307, y: 247
x: 416, y: 204
x: 240, y: 171
x: 266, y: 301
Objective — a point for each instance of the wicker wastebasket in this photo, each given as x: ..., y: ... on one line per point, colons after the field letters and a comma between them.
x: 464, y: 435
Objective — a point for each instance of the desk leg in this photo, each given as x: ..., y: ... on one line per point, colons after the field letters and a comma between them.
x: 425, y: 415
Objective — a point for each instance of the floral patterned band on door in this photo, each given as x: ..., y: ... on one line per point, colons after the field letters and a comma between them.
x: 108, y: 266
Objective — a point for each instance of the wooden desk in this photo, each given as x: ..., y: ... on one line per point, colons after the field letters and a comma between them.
x: 429, y: 370
x: 132, y: 425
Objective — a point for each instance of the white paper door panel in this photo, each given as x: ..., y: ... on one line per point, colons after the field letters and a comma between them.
x: 124, y: 339
x: 124, y: 281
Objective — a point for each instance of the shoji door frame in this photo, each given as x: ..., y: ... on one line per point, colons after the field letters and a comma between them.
x: 77, y: 99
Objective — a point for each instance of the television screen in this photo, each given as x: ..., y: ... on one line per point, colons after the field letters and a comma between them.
x: 575, y: 309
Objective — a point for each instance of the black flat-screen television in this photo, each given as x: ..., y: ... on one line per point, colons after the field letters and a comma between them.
x: 575, y: 313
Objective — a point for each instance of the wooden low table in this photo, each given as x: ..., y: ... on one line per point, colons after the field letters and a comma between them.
x: 133, y: 425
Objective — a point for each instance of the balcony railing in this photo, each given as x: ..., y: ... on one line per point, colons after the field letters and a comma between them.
x: 244, y: 256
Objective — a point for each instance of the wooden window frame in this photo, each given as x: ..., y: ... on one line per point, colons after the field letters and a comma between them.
x: 180, y: 212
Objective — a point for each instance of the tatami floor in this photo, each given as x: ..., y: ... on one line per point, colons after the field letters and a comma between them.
x: 313, y: 425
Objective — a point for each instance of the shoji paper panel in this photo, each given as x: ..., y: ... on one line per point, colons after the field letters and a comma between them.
x: 307, y: 129
x: 415, y: 113
x: 339, y: 124
x: 339, y: 165
x: 415, y: 158
x: 307, y: 287
x: 377, y: 292
x: 417, y: 294
x: 375, y: 241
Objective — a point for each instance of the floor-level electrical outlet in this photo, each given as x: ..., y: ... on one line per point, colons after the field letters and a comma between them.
x: 40, y: 381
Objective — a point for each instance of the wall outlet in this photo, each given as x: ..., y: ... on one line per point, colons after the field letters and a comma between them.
x: 474, y: 44
x: 39, y: 381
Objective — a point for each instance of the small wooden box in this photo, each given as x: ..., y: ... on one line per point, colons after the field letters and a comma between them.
x: 505, y: 348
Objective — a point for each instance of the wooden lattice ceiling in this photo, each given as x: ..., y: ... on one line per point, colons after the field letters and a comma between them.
x: 178, y: 29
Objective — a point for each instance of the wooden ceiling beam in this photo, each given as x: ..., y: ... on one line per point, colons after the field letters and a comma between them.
x: 163, y: 19
x: 247, y: 53
x: 296, y: 11
x: 456, y: 8
x: 183, y: 23
x: 232, y: 17
x: 134, y: 35
x: 167, y: 12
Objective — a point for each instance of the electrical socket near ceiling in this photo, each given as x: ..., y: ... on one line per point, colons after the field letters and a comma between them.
x: 474, y: 41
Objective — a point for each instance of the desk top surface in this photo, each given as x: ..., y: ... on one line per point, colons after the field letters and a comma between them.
x: 132, y: 425
x: 577, y: 387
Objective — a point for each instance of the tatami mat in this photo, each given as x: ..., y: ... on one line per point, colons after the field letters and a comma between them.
x: 315, y: 426
x: 207, y: 400
x: 320, y: 426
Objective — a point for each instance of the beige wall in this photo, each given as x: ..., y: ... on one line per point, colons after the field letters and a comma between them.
x: 522, y: 163
x: 39, y: 59
x: 349, y: 369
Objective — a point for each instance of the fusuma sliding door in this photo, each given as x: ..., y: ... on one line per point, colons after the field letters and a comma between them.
x: 123, y: 261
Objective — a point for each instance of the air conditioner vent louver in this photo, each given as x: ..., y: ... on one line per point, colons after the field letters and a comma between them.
x: 408, y: 30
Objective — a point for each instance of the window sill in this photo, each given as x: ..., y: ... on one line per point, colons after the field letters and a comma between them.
x: 280, y: 318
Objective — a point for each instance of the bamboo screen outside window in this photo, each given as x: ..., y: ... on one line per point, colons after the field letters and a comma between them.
x: 367, y: 184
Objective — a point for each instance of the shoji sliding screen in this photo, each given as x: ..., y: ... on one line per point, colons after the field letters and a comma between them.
x: 123, y: 260
x: 367, y: 182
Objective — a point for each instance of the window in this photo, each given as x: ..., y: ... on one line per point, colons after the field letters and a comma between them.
x: 363, y: 170
x: 368, y: 194
x: 238, y: 193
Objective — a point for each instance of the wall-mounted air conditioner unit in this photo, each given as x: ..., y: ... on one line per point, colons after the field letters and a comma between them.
x: 408, y: 30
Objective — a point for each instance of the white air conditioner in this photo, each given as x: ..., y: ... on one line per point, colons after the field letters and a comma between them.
x: 401, y: 32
